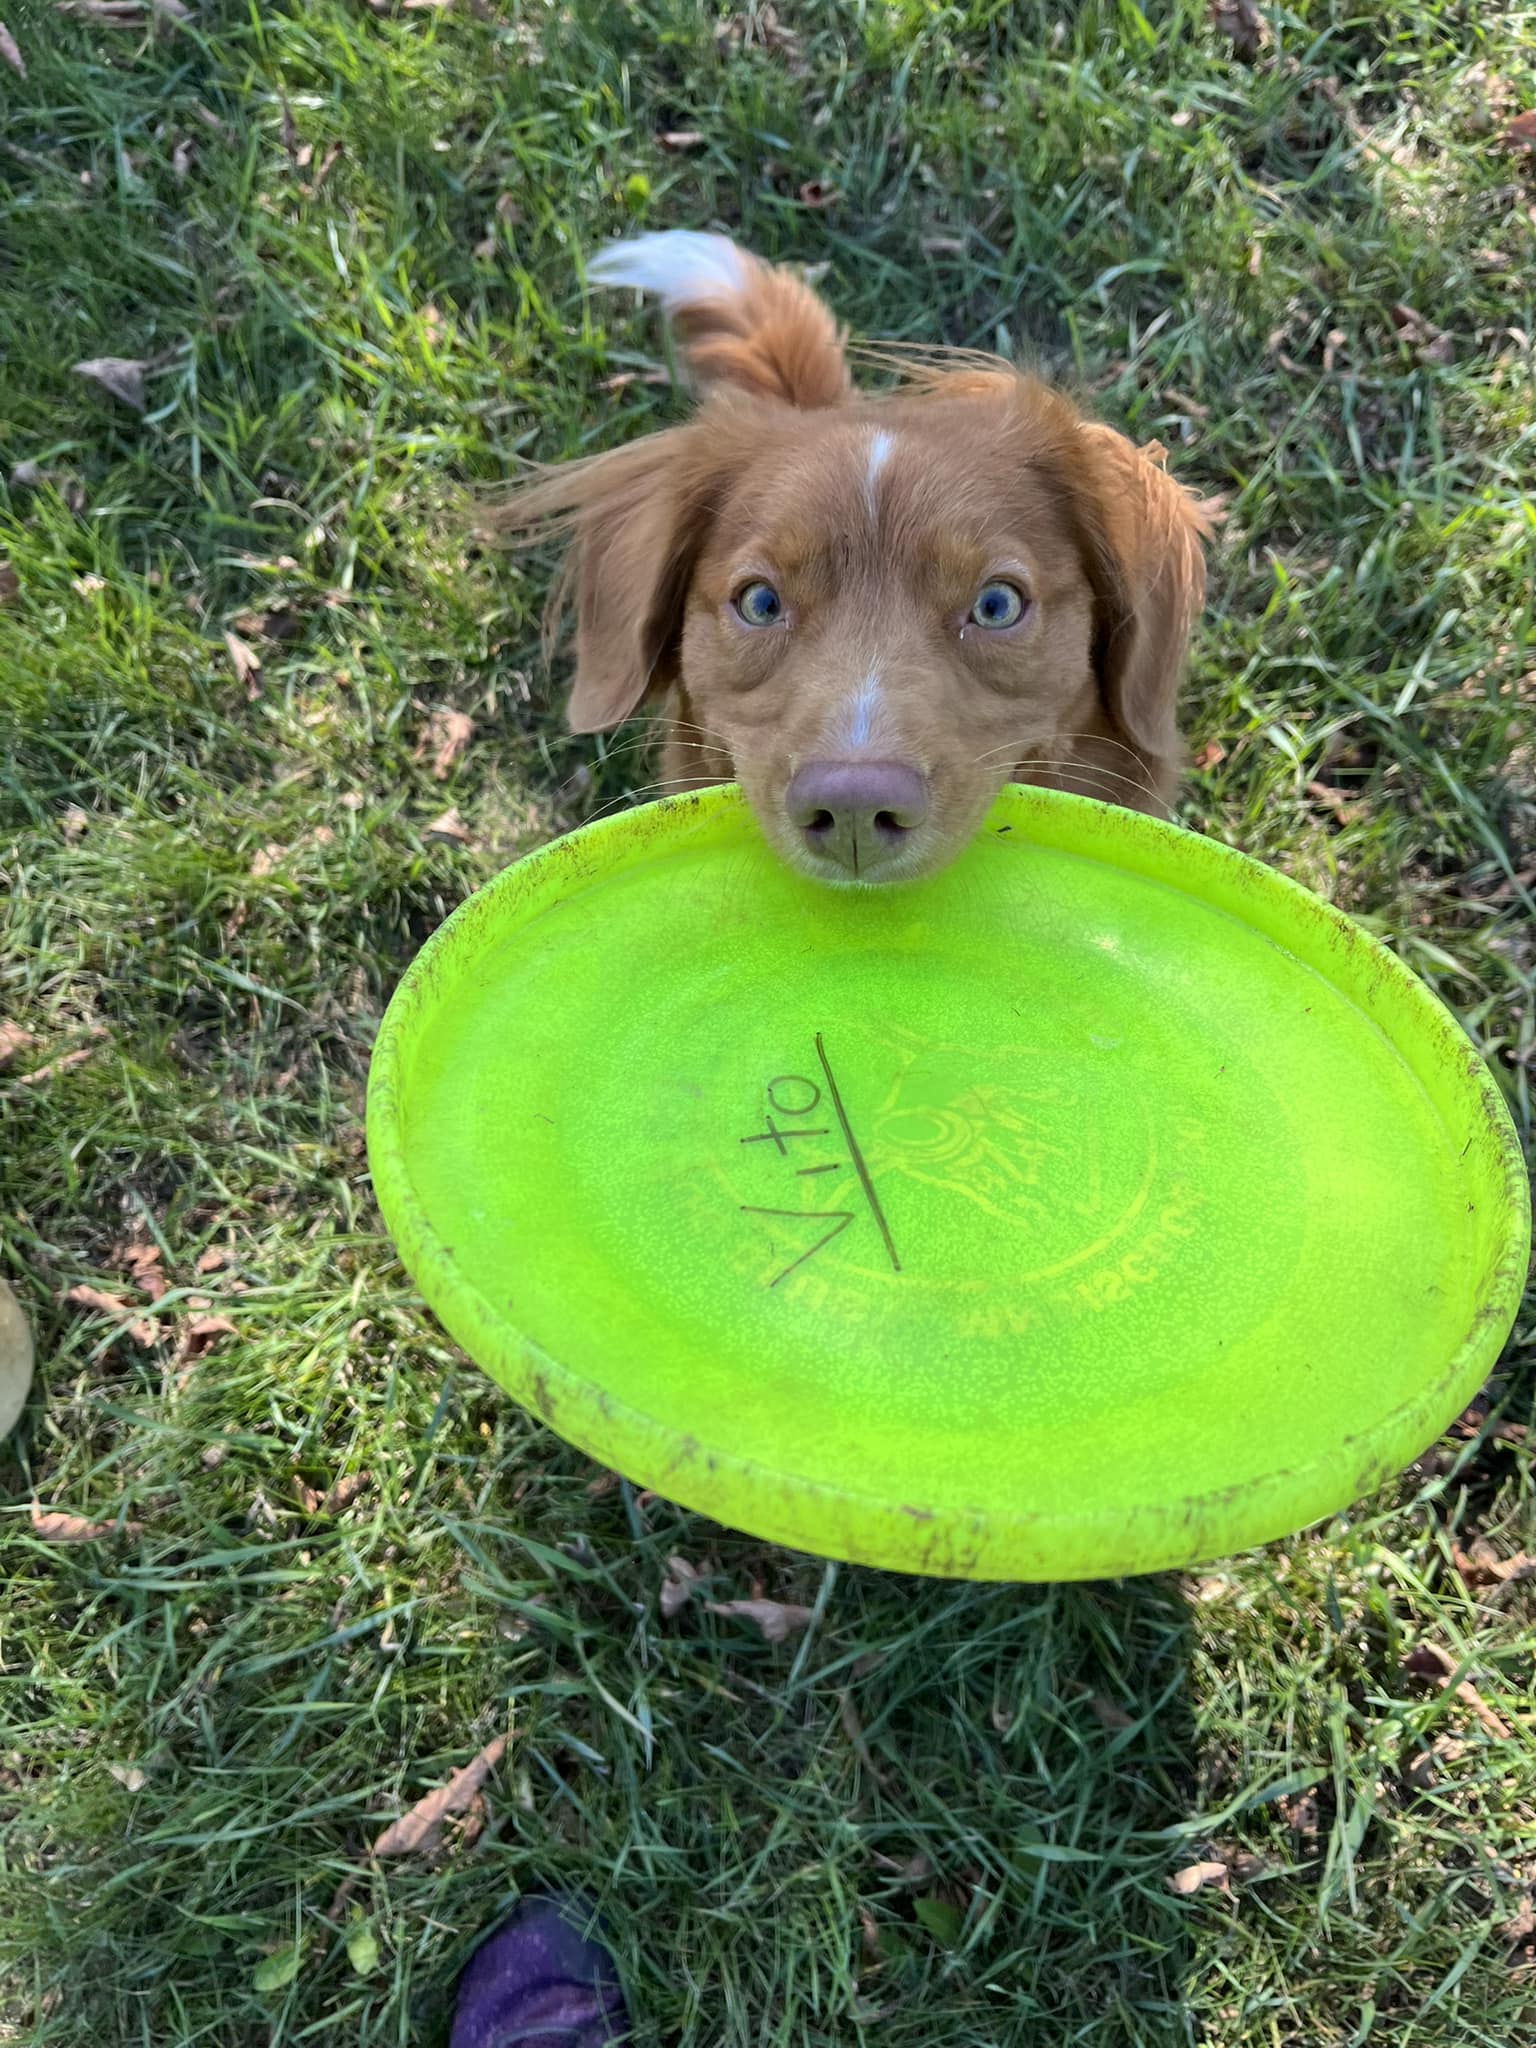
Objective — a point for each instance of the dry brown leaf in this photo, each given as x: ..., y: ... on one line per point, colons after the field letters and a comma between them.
x: 126, y: 13
x: 1210, y: 756
x: 54, y: 1526
x: 1429, y: 1661
x: 141, y: 1262
x: 760, y: 25
x: 1430, y: 343
x: 1421, y: 1773
x: 473, y: 1823
x: 1196, y: 1877
x: 345, y: 1491
x: 1482, y: 1565
x: 1521, y: 1926
x: 420, y: 1828
x: 680, y: 140
x: 268, y: 858
x: 123, y: 376
x: 246, y: 663
x: 202, y: 1333
x: 280, y: 624
x: 1471, y: 1422
x: 13, y: 1040
x: 337, y: 1498
x: 1337, y: 801
x: 1520, y: 133
x: 10, y: 582
x: 1243, y: 26
x: 449, y: 826
x: 211, y: 1260
x: 10, y: 53
x: 444, y: 736
x: 322, y: 171
x: 869, y: 1934
x: 141, y: 1330
x: 1186, y: 404
x: 677, y: 1588
x: 777, y: 1620
x: 64, y: 1062
x: 622, y: 379
x: 1411, y: 325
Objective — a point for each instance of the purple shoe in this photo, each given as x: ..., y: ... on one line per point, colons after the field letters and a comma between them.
x: 540, y: 1981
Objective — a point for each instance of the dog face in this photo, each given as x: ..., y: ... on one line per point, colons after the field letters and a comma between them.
x: 872, y: 611
x: 883, y: 621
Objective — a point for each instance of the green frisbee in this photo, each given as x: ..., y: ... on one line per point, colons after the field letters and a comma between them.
x: 1104, y: 1204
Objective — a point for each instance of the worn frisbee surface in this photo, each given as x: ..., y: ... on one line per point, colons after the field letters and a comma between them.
x: 1104, y: 1204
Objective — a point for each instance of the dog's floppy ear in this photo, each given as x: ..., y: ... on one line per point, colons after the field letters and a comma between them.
x: 636, y: 515
x: 635, y: 520
x: 1147, y: 535
x: 739, y: 323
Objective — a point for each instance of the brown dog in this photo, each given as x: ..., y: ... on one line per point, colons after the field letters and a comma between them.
x: 871, y: 610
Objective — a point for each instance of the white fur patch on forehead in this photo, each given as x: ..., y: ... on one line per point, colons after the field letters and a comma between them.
x: 880, y: 445
x: 859, y: 721
x: 683, y: 267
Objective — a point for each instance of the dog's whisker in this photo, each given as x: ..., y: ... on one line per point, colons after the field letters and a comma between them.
x: 668, y: 785
x: 638, y: 744
x: 1095, y: 773
x: 1007, y: 747
x: 1062, y: 765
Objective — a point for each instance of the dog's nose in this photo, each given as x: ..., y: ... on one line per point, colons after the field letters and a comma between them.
x: 856, y: 815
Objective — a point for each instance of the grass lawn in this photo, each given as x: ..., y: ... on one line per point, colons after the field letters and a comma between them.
x: 345, y: 240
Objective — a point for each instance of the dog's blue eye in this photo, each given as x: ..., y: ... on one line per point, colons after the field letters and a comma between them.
x: 758, y: 604
x: 998, y: 605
